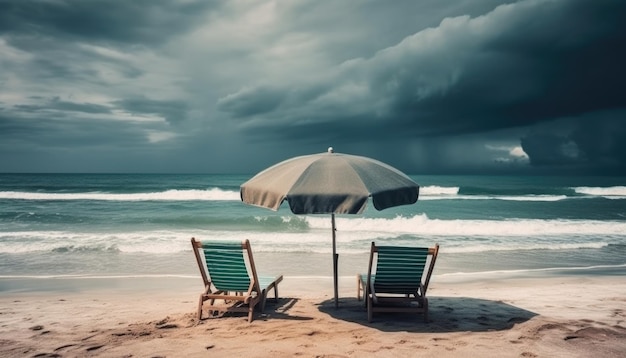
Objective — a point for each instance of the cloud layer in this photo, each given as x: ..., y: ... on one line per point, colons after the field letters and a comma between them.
x: 459, y: 87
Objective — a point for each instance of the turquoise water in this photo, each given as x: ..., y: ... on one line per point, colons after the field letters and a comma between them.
x: 90, y: 225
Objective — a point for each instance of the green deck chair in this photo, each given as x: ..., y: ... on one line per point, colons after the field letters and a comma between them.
x: 400, y: 281
x: 227, y: 278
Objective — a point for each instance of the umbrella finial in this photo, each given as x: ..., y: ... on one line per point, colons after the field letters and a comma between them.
x: 331, y: 150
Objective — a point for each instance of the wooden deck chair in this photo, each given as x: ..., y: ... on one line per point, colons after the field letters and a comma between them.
x: 229, y: 280
x: 400, y: 281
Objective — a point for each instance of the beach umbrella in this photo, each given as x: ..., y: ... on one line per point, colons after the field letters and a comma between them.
x: 330, y: 183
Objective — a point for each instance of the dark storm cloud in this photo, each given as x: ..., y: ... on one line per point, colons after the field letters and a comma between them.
x: 428, y: 86
x: 342, y: 25
x: 592, y: 143
x: 519, y: 65
x: 550, y: 149
x: 134, y: 21
x: 603, y: 145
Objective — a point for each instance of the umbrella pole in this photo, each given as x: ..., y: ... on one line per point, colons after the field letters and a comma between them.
x: 335, y: 261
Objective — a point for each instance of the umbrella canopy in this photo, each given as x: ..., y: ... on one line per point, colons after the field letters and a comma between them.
x: 330, y: 183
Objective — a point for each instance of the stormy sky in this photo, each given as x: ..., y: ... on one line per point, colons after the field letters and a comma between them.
x: 428, y: 86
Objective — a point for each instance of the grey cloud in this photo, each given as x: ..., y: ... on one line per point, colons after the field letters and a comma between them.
x: 424, y: 85
x: 55, y: 123
x: 64, y: 133
x: 134, y: 21
x: 55, y: 60
x: 520, y: 65
x: 172, y: 110
x: 55, y: 104
x: 475, y: 74
x: 342, y: 25
x: 251, y: 101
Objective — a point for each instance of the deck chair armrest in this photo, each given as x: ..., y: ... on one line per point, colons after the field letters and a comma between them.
x: 422, y: 290
x: 370, y: 289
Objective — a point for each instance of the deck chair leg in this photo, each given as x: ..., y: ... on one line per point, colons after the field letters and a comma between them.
x: 263, y: 298
x: 425, y: 304
x: 370, y: 309
x: 250, y: 312
x: 201, y: 301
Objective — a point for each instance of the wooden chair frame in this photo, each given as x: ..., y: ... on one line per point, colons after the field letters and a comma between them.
x: 414, y: 301
x: 239, y: 300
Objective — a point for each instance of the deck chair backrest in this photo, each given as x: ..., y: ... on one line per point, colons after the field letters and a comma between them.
x: 226, y: 265
x: 399, y: 269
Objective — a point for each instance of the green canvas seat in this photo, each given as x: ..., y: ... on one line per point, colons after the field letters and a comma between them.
x: 230, y: 278
x: 400, y: 280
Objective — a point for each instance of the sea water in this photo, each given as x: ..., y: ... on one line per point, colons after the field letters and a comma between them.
x: 76, y: 226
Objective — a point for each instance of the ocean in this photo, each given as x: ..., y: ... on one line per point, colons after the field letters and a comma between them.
x: 76, y: 226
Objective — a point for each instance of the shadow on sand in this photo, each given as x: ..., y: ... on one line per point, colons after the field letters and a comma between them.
x: 446, y: 314
x: 279, y: 309
x: 274, y: 310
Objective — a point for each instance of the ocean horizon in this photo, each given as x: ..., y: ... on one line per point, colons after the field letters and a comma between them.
x: 75, y: 226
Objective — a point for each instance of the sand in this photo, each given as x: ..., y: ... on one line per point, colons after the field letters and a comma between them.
x: 569, y: 316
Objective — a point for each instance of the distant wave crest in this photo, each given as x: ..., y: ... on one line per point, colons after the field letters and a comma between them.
x: 611, y: 192
x: 430, y: 192
x: 214, y: 194
x: 434, y: 190
x: 353, y: 235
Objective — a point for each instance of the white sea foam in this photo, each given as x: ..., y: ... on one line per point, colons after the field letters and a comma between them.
x: 612, y: 192
x: 496, y: 197
x: 88, y: 277
x: 422, y: 225
x: 434, y: 190
x: 214, y: 194
x: 353, y: 235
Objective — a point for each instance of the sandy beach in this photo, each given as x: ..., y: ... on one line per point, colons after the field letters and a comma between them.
x: 575, y: 316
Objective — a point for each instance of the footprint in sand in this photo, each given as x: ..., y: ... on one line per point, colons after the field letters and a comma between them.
x: 63, y: 347
x: 93, y: 348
